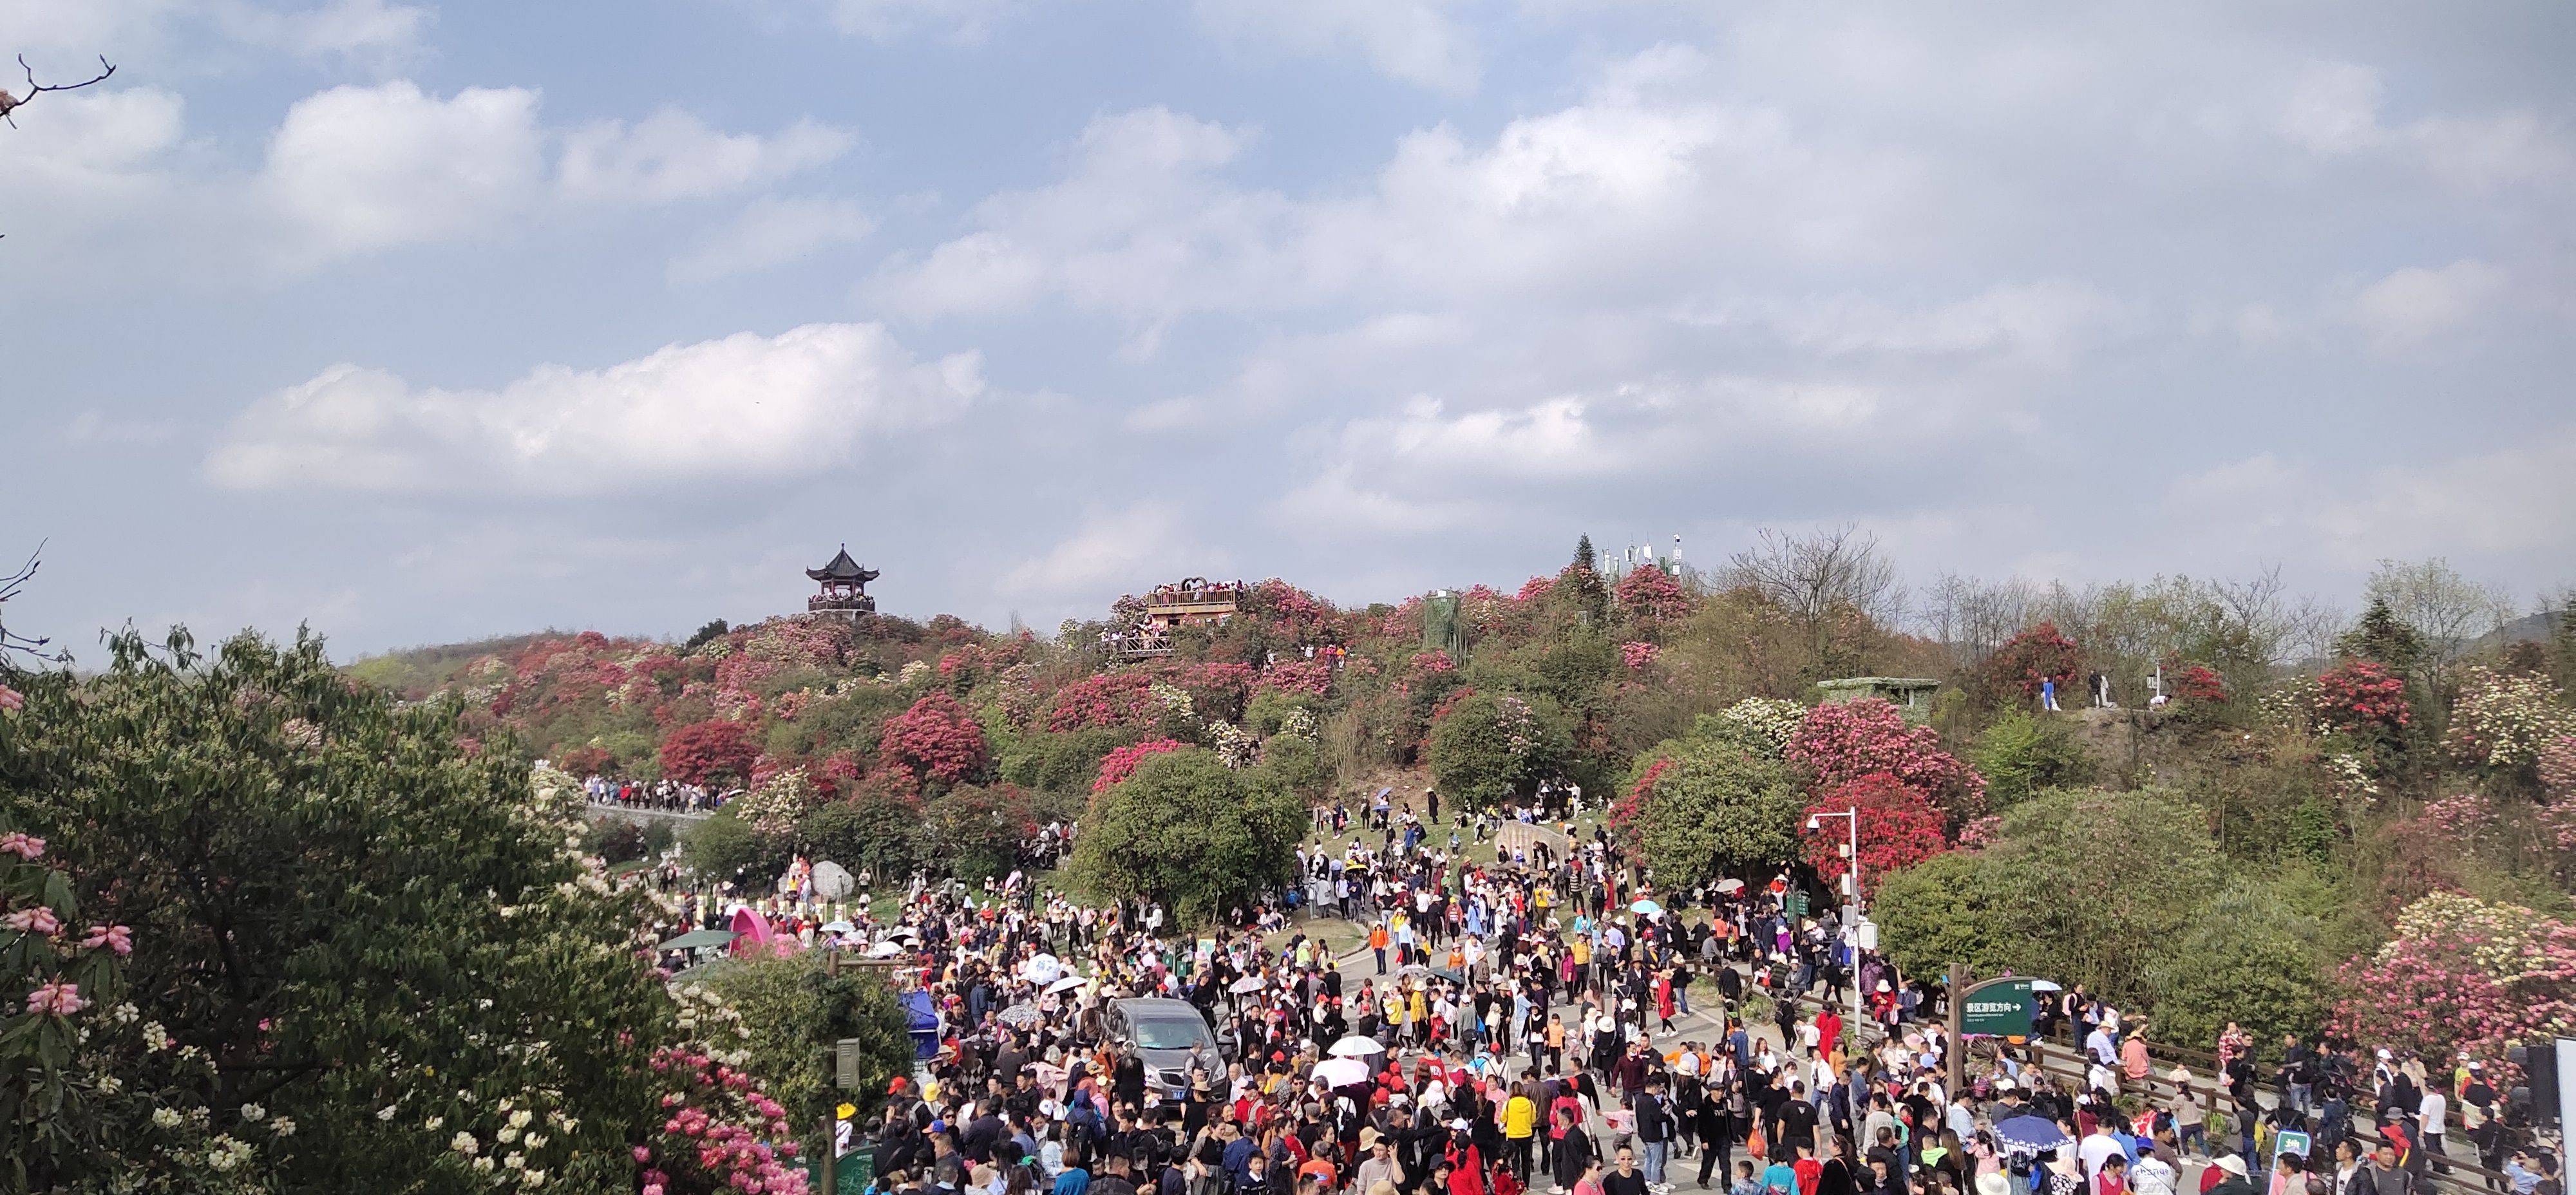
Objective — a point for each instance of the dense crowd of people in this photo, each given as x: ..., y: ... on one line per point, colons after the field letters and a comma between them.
x: 669, y: 796
x: 1529, y: 1022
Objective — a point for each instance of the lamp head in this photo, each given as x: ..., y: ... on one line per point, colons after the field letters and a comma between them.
x: 1815, y: 823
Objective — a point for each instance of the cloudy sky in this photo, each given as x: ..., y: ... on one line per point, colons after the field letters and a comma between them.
x: 424, y: 321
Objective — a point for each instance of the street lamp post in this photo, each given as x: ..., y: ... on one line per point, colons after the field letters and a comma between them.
x: 1851, y: 882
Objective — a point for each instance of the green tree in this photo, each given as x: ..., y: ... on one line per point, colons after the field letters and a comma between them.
x: 1186, y: 831
x: 2247, y: 956
x: 2020, y: 755
x: 1490, y: 747
x: 869, y: 830
x: 2079, y: 886
x: 2381, y: 635
x: 1716, y: 808
x: 726, y: 847
x: 715, y: 629
x: 797, y: 1010
x: 363, y: 922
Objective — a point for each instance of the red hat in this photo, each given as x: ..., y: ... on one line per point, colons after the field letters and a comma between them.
x: 896, y: 1087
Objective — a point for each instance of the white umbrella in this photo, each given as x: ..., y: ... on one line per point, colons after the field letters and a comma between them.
x: 1247, y: 985
x: 2042, y: 985
x: 1342, y: 1072
x: 839, y: 927
x: 1730, y: 885
x: 886, y: 949
x: 1044, y: 968
x: 1356, y: 1046
x: 1067, y: 984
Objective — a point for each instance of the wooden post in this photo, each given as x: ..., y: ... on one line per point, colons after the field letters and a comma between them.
x: 1957, y: 1054
x: 831, y: 1172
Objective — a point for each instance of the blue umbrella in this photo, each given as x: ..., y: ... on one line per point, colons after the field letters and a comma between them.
x: 2031, y: 1133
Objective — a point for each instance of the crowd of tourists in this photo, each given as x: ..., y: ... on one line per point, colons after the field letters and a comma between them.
x: 669, y: 796
x: 1529, y: 1023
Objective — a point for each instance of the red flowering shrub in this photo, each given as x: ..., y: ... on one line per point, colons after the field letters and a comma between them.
x: 1314, y: 678
x: 583, y: 760
x: 1217, y: 691
x: 937, y: 737
x: 1898, y: 828
x: 2365, y: 702
x: 2199, y: 684
x: 1121, y: 763
x: 1652, y: 595
x: 1840, y: 743
x: 1450, y: 701
x: 709, y: 752
x: 2029, y: 658
x: 1535, y: 589
x: 1109, y: 699
x: 1626, y: 812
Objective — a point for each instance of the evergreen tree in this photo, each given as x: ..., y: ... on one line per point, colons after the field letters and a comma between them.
x: 1591, y: 595
x: 2381, y: 635
x: 1583, y: 557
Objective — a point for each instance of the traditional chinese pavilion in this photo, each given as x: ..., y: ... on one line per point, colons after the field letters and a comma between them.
x: 844, y: 592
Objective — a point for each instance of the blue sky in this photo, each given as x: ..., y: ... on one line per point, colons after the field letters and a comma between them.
x: 420, y: 322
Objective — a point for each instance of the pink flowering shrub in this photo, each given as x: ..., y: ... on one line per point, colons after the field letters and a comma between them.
x: 1637, y: 654
x: 1433, y: 663
x: 1899, y: 827
x: 61, y: 970
x: 1118, y: 765
x: 2556, y: 767
x: 1108, y: 699
x: 716, y: 1132
x: 1652, y: 595
x: 1313, y: 678
x: 1839, y: 743
x: 2461, y: 974
x: 937, y: 738
x: 1298, y: 616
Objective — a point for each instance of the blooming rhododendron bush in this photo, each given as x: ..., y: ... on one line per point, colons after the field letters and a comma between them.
x: 362, y: 957
x: 1839, y: 743
x: 2461, y: 974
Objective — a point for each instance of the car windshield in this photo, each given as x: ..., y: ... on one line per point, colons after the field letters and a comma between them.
x: 1170, y: 1034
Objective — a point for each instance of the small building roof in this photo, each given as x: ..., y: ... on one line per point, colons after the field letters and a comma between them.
x: 842, y: 568
x: 1880, y: 682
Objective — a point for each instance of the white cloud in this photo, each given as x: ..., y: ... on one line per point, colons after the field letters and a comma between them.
x: 673, y: 155
x: 1416, y: 41
x: 1640, y: 187
x: 2049, y: 322
x: 1110, y: 549
x: 2334, y: 110
x: 341, y: 28
x: 887, y: 20
x: 2510, y: 505
x: 744, y: 409
x: 771, y: 233
x: 2416, y: 306
x: 366, y: 168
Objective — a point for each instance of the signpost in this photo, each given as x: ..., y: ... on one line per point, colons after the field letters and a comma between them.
x: 1996, y: 1008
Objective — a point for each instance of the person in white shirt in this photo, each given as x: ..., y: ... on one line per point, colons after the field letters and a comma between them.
x: 2151, y: 1175
x: 2434, y: 1107
x: 2095, y: 1149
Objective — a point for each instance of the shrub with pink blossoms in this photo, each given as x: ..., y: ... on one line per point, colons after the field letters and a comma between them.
x: 1313, y: 678
x: 1121, y: 763
x: 1838, y: 743
x: 720, y: 1132
x: 1107, y: 699
x: 1651, y: 595
x: 937, y: 738
x: 1637, y: 655
x: 2502, y: 721
x: 2461, y: 974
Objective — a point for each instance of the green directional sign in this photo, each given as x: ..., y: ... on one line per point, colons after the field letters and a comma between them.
x: 1997, y: 1008
x: 1797, y: 904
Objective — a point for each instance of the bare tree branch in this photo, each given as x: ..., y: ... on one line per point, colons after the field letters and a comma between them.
x: 10, y: 104
x: 10, y: 585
